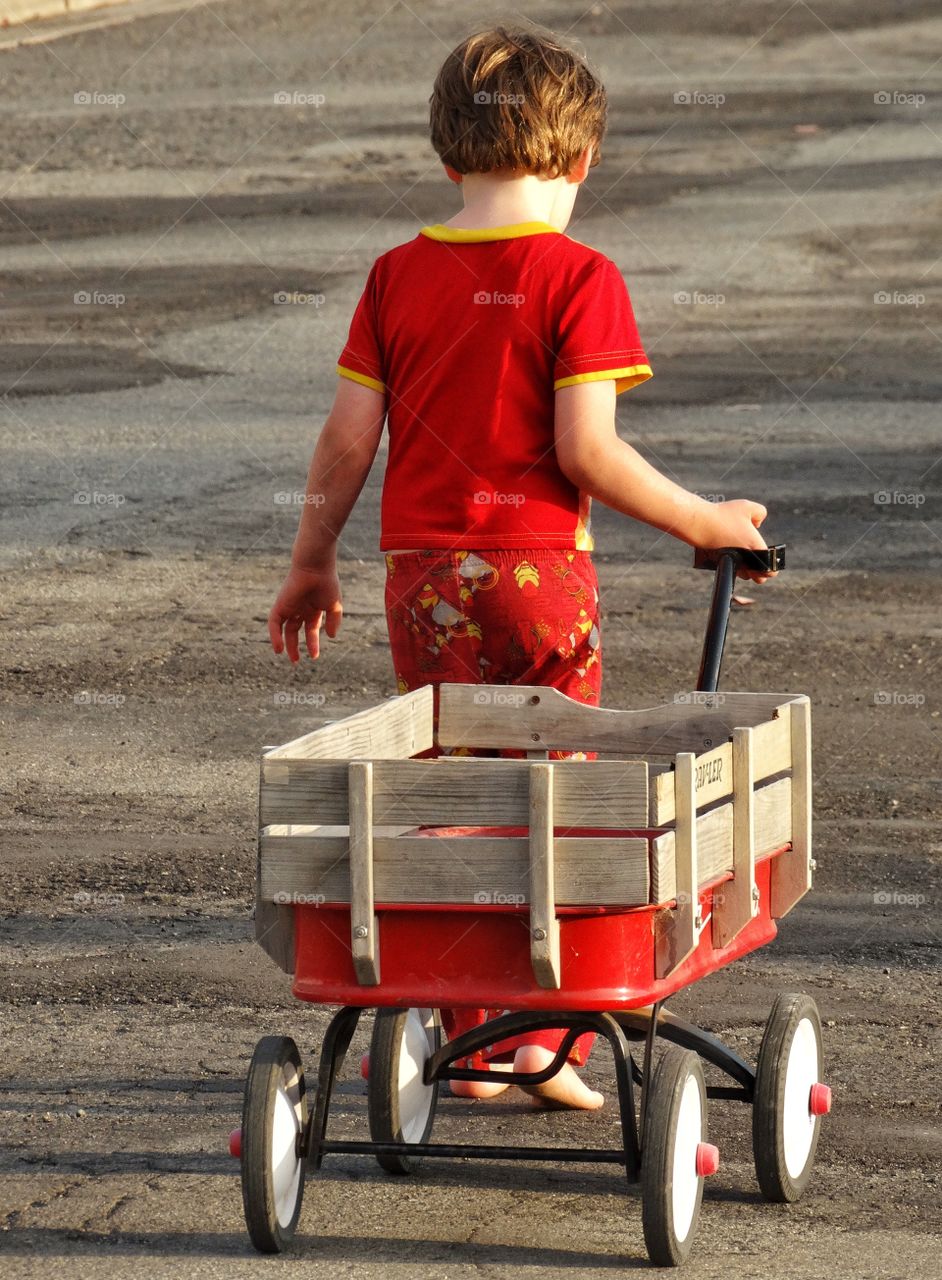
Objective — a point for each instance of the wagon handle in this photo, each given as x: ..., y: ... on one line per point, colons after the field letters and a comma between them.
x: 726, y: 560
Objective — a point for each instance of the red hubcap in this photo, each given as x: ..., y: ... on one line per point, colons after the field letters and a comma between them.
x: 819, y: 1103
x: 708, y: 1159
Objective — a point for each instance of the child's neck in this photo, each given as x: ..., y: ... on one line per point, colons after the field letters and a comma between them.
x: 501, y: 200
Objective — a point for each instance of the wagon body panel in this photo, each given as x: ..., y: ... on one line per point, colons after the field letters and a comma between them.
x: 481, y: 958
x: 366, y: 852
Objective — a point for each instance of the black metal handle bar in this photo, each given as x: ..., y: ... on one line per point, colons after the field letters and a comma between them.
x: 725, y: 561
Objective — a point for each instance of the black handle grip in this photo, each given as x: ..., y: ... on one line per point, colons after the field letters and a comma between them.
x: 769, y: 560
x: 726, y: 560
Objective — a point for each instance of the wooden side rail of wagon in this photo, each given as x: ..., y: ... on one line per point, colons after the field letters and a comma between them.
x: 348, y: 815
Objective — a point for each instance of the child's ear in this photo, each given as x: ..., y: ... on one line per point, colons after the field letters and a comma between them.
x: 580, y: 170
x: 453, y: 174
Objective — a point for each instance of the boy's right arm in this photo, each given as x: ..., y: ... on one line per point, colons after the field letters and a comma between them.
x: 593, y: 457
x: 342, y: 459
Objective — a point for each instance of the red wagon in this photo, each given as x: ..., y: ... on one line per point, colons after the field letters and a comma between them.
x: 573, y: 894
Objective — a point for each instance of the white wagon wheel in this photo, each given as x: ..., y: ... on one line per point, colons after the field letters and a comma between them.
x: 675, y: 1157
x: 789, y: 1098
x: 274, y: 1115
x: 401, y: 1105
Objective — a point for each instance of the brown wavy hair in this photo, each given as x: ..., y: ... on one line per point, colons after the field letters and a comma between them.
x: 516, y: 98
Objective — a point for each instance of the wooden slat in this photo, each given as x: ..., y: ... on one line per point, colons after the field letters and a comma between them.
x: 299, y: 829
x: 712, y: 781
x: 772, y: 753
x: 544, y: 927
x: 679, y: 931
x: 546, y: 718
x: 773, y: 827
x: 791, y: 874
x: 399, y: 728
x: 274, y: 930
x: 589, y: 871
x: 364, y: 928
x: 736, y: 902
x: 274, y: 924
x: 452, y: 791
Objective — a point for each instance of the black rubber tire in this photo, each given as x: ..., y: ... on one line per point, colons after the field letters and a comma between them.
x: 768, y: 1144
x: 657, y: 1158
x: 383, y: 1099
x: 275, y: 1061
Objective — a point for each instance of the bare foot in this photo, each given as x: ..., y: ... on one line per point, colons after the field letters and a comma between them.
x: 565, y: 1089
x: 481, y: 1088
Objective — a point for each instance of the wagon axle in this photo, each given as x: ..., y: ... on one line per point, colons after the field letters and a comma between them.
x: 665, y: 1146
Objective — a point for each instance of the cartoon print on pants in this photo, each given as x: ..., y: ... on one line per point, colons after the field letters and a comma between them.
x: 449, y: 623
x: 527, y: 577
x: 583, y: 633
x: 476, y: 571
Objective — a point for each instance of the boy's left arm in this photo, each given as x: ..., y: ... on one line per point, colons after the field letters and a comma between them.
x: 593, y: 456
x: 342, y: 459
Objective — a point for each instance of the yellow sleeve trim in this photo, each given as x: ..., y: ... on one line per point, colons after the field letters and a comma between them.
x: 584, y: 540
x: 624, y: 378
x: 361, y: 378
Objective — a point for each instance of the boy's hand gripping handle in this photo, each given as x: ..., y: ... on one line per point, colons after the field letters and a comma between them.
x: 726, y: 560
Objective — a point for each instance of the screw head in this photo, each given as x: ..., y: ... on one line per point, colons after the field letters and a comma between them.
x: 539, y: 935
x: 361, y: 931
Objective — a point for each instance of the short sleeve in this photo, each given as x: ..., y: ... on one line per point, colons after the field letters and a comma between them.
x: 362, y: 358
x: 597, y: 337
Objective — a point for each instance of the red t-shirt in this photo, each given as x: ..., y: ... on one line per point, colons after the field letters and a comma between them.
x: 469, y: 334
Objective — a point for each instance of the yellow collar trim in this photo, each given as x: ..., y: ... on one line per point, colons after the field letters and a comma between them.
x: 474, y: 235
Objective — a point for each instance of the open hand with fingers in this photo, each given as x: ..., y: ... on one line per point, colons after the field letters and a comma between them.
x: 307, y: 598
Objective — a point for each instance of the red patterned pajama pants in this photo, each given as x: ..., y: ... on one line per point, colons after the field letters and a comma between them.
x: 497, y: 617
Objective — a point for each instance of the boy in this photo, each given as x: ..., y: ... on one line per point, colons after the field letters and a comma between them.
x: 496, y: 346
